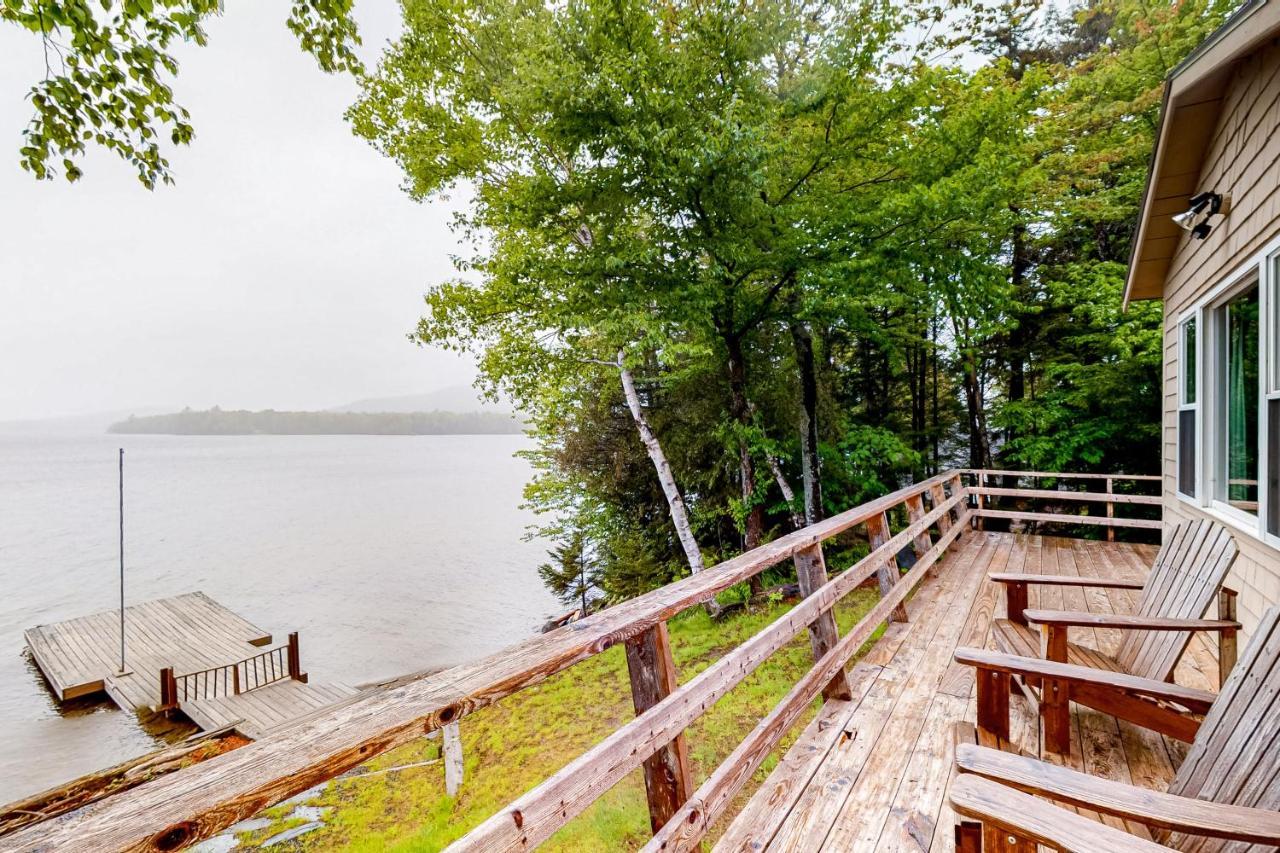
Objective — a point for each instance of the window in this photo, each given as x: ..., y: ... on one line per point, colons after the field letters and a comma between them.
x: 1228, y: 398
x: 1237, y: 357
x: 1273, y: 401
x: 1187, y: 408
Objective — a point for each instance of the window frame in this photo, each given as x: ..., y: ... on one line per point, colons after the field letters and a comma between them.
x: 1263, y: 268
x: 1194, y: 316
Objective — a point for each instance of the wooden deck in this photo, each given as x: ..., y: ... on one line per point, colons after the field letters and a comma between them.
x: 189, y: 632
x: 872, y: 773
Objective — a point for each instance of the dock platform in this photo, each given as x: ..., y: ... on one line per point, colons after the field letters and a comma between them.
x: 184, y: 634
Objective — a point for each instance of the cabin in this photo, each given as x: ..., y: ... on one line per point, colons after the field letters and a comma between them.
x: 1218, y: 275
x: 1034, y: 615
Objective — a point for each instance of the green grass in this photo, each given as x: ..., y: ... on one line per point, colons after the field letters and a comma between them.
x: 512, y: 746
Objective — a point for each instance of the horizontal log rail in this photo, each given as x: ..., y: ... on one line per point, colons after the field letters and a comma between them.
x: 979, y: 487
x: 196, y: 803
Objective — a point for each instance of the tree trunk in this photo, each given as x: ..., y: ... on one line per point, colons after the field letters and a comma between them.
x: 740, y: 411
x: 979, y: 447
x: 802, y: 340
x: 1018, y: 336
x: 937, y: 421
x: 679, y: 517
x: 797, y: 517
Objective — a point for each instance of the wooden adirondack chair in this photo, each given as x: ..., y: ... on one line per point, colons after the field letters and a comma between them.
x: 1187, y: 575
x: 1225, y: 796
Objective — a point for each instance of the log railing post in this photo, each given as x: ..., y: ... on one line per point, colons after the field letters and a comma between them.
x: 235, y: 679
x: 915, y: 511
x: 938, y: 496
x: 1111, y: 513
x: 667, y: 779
x: 878, y: 534
x: 957, y: 487
x: 977, y: 517
x: 811, y: 573
x: 1226, y: 638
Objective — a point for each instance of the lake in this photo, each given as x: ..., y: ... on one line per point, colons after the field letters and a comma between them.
x: 388, y: 554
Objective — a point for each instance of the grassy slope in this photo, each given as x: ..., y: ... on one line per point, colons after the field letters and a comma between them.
x: 512, y: 746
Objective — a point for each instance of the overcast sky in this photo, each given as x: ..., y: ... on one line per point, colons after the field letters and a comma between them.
x: 284, y: 269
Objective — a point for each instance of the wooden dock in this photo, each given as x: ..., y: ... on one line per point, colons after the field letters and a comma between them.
x: 201, y: 644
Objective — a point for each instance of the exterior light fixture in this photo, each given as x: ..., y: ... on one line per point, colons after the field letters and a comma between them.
x: 1204, y: 206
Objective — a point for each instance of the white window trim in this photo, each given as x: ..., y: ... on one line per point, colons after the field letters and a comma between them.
x: 1264, y: 268
x: 1188, y: 317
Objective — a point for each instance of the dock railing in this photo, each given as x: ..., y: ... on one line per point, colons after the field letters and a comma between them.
x: 268, y: 667
x: 197, y: 802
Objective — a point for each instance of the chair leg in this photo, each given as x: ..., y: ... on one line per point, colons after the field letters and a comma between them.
x: 968, y: 836
x: 993, y: 702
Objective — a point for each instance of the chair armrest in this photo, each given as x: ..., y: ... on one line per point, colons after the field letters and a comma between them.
x: 1065, y: 580
x: 1127, y: 620
x: 1153, y: 808
x: 1023, y: 815
x: 1196, y: 701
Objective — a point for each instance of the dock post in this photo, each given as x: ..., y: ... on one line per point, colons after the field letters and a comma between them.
x: 295, y: 662
x: 168, y: 690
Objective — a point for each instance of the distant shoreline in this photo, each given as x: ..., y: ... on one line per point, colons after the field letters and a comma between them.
x: 270, y: 422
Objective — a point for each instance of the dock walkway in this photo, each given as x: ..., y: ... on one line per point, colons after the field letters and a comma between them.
x: 188, y: 633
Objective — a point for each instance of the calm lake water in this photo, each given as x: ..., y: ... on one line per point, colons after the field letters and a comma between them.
x: 389, y: 554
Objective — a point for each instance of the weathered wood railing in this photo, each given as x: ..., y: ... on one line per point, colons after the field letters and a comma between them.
x: 198, y: 802
x: 1007, y: 484
x: 232, y: 679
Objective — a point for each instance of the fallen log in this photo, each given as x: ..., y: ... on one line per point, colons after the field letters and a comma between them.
x: 92, y: 787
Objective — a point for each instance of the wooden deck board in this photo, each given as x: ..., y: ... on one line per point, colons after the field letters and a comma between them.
x: 187, y: 632
x: 872, y: 773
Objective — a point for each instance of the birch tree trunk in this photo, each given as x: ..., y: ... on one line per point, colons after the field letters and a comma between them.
x: 797, y: 517
x: 679, y: 517
x: 802, y: 340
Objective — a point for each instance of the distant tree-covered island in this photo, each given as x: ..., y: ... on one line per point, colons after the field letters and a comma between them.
x: 217, y: 421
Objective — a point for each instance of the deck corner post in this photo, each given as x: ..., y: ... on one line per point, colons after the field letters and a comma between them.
x: 1227, y: 638
x: 1111, y: 513
x: 878, y: 534
x: 811, y: 573
x: 668, y: 780
x: 977, y: 515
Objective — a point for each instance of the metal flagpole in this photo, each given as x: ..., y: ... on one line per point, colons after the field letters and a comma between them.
x: 122, y: 666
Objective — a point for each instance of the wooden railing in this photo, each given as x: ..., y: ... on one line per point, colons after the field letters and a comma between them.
x: 1078, y: 488
x: 232, y: 679
x: 926, y: 517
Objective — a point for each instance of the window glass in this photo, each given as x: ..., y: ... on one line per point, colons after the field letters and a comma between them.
x: 1189, y: 362
x: 1238, y: 409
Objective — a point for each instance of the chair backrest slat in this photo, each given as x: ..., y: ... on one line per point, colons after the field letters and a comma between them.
x: 1235, y: 758
x: 1184, y: 580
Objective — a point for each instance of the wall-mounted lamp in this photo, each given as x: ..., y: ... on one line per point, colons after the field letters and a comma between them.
x: 1204, y: 206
